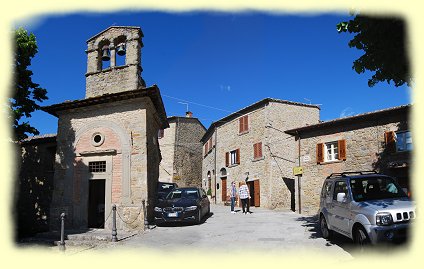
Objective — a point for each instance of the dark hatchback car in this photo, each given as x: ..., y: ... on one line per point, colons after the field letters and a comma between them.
x: 183, y: 205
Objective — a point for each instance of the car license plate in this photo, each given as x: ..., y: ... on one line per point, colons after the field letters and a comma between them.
x: 173, y: 214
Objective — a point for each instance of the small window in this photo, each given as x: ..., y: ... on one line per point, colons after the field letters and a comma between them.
x: 326, y: 190
x: 339, y: 187
x: 97, y: 167
x: 257, y: 150
x: 244, y: 124
x: 234, y: 157
x: 161, y: 133
x: 403, y: 141
x: 97, y: 139
x: 331, y: 151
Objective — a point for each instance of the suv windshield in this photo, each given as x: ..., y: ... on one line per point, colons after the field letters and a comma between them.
x: 373, y: 188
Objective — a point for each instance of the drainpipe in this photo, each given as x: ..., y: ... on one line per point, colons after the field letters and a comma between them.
x: 216, y: 131
x: 298, y: 177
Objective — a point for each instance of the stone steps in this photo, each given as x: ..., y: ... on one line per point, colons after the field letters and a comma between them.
x: 86, y: 238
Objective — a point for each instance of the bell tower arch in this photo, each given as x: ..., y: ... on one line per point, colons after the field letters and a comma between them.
x: 104, y: 75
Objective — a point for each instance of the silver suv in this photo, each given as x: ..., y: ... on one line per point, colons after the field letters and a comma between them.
x: 365, y: 206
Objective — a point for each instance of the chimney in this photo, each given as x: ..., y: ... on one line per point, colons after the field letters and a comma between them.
x: 189, y: 114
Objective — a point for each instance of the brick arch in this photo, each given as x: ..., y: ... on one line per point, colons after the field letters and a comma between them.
x: 125, y: 143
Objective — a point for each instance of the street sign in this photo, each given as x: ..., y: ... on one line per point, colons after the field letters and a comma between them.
x: 297, y: 170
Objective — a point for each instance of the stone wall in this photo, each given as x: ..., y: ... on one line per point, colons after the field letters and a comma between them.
x: 34, y: 186
x: 280, y: 150
x: 167, y: 148
x: 208, y: 169
x: 365, y: 151
x: 188, y: 152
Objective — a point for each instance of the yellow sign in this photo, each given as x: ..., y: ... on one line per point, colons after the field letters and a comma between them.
x: 297, y: 170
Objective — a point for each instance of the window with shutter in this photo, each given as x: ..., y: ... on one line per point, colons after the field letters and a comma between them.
x: 403, y: 140
x: 257, y: 150
x: 390, y: 138
x: 244, y: 124
x: 342, y: 149
x: 227, y: 159
x: 237, y: 156
x: 320, y: 153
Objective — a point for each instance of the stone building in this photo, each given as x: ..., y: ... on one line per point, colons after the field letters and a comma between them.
x: 181, y: 151
x: 251, y: 145
x: 379, y: 141
x: 33, y: 191
x: 107, y: 147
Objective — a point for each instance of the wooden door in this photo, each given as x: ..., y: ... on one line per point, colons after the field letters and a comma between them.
x: 257, y: 193
x: 224, y: 189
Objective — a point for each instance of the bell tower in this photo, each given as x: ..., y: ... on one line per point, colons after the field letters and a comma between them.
x: 114, y: 61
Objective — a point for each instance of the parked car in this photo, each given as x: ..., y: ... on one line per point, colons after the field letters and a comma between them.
x: 182, y: 205
x: 164, y: 188
x: 365, y: 206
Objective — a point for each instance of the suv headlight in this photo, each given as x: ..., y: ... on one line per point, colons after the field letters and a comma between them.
x: 383, y: 219
x: 191, y: 208
x: 158, y: 209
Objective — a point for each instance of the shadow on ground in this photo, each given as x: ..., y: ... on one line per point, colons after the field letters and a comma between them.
x: 180, y: 224
x: 311, y: 225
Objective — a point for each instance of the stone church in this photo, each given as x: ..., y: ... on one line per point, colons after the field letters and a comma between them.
x: 107, y: 146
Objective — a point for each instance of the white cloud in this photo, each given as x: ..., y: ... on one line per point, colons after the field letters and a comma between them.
x: 225, y: 87
x: 347, y: 112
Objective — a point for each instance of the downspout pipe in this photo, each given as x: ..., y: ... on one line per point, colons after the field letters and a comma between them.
x: 298, y: 177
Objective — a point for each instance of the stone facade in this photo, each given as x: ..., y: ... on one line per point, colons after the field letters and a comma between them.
x: 366, y: 149
x: 182, y: 152
x: 107, y: 147
x: 269, y: 176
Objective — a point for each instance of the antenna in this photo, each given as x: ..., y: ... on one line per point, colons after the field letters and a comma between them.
x: 184, y: 104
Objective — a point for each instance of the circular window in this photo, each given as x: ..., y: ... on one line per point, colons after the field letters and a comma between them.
x: 97, y: 139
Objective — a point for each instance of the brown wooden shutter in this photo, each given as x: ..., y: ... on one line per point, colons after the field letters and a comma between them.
x: 342, y: 149
x: 255, y: 151
x: 257, y: 194
x: 390, y: 141
x: 227, y: 159
x: 241, y: 125
x: 259, y: 149
x: 246, y: 123
x: 210, y: 143
x: 238, y: 156
x: 224, y: 189
x: 320, y: 153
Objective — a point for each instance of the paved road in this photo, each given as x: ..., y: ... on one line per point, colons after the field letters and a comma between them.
x: 270, y: 231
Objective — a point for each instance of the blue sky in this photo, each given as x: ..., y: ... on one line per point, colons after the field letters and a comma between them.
x: 216, y: 63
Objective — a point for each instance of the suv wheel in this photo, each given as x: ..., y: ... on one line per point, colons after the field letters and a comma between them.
x: 361, y: 237
x: 325, y: 232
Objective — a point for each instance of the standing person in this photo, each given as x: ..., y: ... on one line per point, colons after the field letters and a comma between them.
x: 244, y: 196
x: 233, y: 195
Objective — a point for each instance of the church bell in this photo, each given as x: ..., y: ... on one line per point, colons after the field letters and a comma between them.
x: 121, y: 49
x: 106, y: 53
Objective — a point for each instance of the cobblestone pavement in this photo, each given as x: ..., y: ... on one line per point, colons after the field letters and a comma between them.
x: 267, y: 231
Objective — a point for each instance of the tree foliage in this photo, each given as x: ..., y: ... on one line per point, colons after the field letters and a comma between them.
x: 25, y: 93
x: 383, y: 40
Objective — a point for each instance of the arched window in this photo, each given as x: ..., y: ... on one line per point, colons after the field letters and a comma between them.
x: 223, y: 172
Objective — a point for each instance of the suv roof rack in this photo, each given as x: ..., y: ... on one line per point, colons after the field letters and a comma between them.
x: 344, y: 174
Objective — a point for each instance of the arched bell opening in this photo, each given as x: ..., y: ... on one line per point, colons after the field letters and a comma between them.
x: 104, y: 51
x: 120, y: 50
